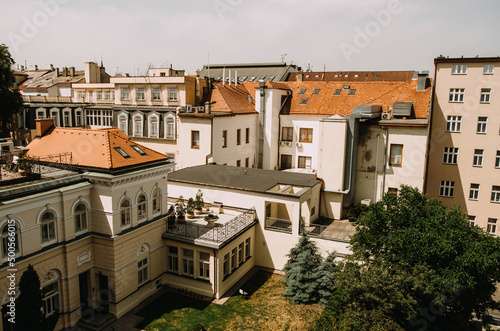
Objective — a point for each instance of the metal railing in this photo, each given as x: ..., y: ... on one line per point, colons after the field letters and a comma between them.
x: 278, y: 224
x: 329, y: 232
x: 40, y: 98
x: 219, y: 233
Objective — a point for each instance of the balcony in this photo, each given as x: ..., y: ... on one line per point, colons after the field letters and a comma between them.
x: 278, y: 224
x: 229, y: 225
x: 336, y: 230
x: 37, y: 98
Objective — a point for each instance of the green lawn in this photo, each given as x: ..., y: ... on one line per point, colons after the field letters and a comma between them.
x: 263, y: 309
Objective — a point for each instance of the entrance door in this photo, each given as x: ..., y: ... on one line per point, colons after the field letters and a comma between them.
x: 103, y: 294
x: 83, y: 280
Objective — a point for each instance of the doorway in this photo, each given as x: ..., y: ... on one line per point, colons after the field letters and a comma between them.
x: 103, y: 295
x: 83, y: 281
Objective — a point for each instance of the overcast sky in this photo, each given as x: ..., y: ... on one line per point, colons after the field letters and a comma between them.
x: 341, y: 35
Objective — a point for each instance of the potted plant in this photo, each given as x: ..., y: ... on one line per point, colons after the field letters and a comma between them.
x: 190, y: 208
x: 180, y: 210
x: 171, y: 217
x: 211, y: 218
x: 198, y: 202
x: 25, y: 163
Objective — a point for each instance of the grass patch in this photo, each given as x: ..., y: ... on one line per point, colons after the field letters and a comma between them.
x: 264, y: 308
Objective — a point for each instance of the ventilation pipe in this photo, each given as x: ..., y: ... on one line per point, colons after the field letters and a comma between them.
x: 236, y: 78
x: 224, y: 76
x: 229, y: 80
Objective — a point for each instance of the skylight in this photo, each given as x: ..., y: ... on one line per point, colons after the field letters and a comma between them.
x: 337, y: 91
x: 243, y: 78
x: 316, y: 91
x: 122, y: 152
x: 303, y: 101
x: 346, y: 87
x: 302, y: 91
x: 271, y: 78
x: 262, y: 78
x: 138, y: 149
x: 352, y: 91
x: 252, y: 79
x: 317, y: 76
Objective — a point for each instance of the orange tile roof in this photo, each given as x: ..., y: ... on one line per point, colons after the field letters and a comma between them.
x: 358, y: 76
x: 92, y: 148
x: 231, y: 99
x: 367, y: 93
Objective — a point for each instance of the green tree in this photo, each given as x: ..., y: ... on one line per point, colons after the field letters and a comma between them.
x: 29, y: 314
x: 418, y: 264
x: 324, y: 278
x: 10, y: 101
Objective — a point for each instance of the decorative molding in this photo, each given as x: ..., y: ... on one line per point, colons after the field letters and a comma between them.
x: 83, y: 258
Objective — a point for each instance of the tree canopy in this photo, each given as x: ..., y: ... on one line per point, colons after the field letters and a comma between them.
x: 416, y: 264
x: 10, y: 100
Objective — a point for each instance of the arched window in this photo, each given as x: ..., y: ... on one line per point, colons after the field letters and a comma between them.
x: 50, y: 293
x: 123, y: 123
x: 141, y: 207
x: 80, y: 217
x: 156, y: 201
x: 137, y: 127
x: 170, y: 126
x: 153, y: 124
x: 142, y: 264
x: 11, y: 245
x: 48, y: 224
x: 125, y: 212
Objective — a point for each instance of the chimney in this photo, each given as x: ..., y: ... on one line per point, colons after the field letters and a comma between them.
x: 36, y: 67
x: 423, y: 81
x: 298, y: 77
x: 72, y: 71
x: 57, y: 72
x: 224, y: 76
x: 236, y: 78
x: 65, y: 72
x: 51, y: 67
x: 229, y: 77
x: 43, y: 126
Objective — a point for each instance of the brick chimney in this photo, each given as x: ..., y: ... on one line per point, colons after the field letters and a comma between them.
x: 43, y: 126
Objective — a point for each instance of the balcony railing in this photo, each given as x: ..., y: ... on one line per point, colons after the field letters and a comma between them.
x: 329, y: 232
x: 217, y: 234
x: 278, y: 224
x: 39, y: 98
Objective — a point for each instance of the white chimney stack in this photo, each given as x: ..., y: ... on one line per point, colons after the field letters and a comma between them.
x: 224, y: 76
x: 236, y: 78
x: 229, y: 77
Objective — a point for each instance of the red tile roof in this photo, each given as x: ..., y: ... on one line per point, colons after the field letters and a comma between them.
x: 92, y: 148
x: 232, y: 99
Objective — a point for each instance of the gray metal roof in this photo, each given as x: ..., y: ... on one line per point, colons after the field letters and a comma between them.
x: 278, y: 71
x: 248, y: 179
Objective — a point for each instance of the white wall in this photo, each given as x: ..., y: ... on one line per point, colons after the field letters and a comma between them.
x: 189, y: 156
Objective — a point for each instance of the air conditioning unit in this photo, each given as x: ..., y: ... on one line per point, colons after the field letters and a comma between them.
x: 386, y: 116
x: 189, y: 108
x: 298, y: 144
x: 201, y: 109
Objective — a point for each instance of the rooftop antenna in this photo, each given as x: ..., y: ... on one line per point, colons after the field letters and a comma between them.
x: 283, y: 57
x: 101, y: 60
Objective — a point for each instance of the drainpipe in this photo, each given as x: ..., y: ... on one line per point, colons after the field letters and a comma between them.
x: 385, y: 156
x: 215, y: 273
x: 262, y: 123
x: 211, y: 140
x: 376, y: 172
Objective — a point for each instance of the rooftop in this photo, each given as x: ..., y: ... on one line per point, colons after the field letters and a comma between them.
x: 272, y: 71
x: 353, y: 76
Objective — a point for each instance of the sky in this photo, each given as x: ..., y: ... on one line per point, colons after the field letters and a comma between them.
x: 130, y: 36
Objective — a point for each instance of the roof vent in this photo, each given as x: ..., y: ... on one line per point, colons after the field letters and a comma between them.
x: 403, y: 109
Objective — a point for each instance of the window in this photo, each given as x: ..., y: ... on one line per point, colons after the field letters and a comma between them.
x: 140, y: 93
x: 450, y: 155
x: 122, y: 123
x: 233, y: 259
x: 495, y: 193
x: 173, y: 259
x: 303, y: 101
x: 156, y: 201
x: 287, y: 134
x: 485, y: 95
x: 497, y: 160
x: 156, y: 94
x: 247, y: 162
x: 204, y: 265
x: 107, y: 95
x: 313, y: 211
x: 481, y: 124
x: 121, y: 152
x: 48, y: 224
x: 492, y: 226
x: 238, y: 137
x: 188, y: 262
x: 238, y: 163
x: 306, y: 135
x: 153, y: 126
x: 79, y: 117
x: 396, y: 155
x: 195, y: 139
x: 54, y: 114
x: 50, y: 295
x: 81, y: 95
x: 172, y: 94
x: 247, y: 135
x: 286, y: 161
x: 67, y: 118
x: 137, y: 126
x: 302, y: 91
x: 337, y: 91
x: 474, y: 192
x: 142, y: 271
x: 225, y: 265
x: 457, y: 94
x: 392, y: 190
x: 125, y: 212
x: 99, y: 94
x: 453, y: 123
x: 240, y: 253
x: 162, y: 74
x: 125, y: 93
x: 80, y: 217
x: 141, y: 207
x: 247, y: 248
x: 304, y: 162
x: 346, y: 87
x: 316, y: 91
x: 224, y: 138
x: 99, y: 117
x: 488, y: 69
x: 446, y: 188
x: 40, y: 114
x: 138, y: 150
x: 478, y: 158
x: 352, y: 91
x: 170, y: 127
x: 10, y: 243
x: 459, y: 69
x: 471, y: 220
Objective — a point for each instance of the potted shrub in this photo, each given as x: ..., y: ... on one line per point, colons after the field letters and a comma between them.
x: 25, y: 163
x: 190, y: 208
x: 171, y: 217
x: 198, y: 202
x: 180, y: 210
x: 211, y: 218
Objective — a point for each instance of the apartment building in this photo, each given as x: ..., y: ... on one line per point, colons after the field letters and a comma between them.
x: 464, y: 143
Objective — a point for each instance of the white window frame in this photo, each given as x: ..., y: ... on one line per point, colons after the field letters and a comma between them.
x: 478, y: 158
x: 472, y: 220
x: 459, y: 69
x: 446, y: 188
x: 497, y: 160
x: 488, y: 69
x: 125, y: 94
x: 204, y: 265
x: 457, y: 95
x: 137, y: 126
x: 247, y: 249
x: 172, y: 94
x: 156, y: 201
x: 142, y: 270
x: 54, y: 114
x: 491, y: 227
x: 168, y: 127
x: 51, y: 300
x: 141, y: 94
x: 173, y: 259
x: 41, y: 113
x: 450, y: 155
x: 152, y: 118
x: 142, y: 207
x: 5, y: 235
x: 99, y: 118
x: 474, y: 192
x: 123, y: 122
x: 79, y: 117
x: 453, y: 123
x: 99, y: 94
x: 156, y: 94
x: 81, y: 217
x: 80, y: 95
x: 485, y: 95
x: 67, y: 115
x: 188, y: 262
x: 125, y: 213
x: 48, y: 226
x: 495, y: 193
x: 482, y: 123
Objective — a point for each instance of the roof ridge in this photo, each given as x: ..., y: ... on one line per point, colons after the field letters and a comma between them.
x: 391, y: 90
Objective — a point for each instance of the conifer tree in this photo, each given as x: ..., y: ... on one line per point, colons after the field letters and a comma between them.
x: 29, y: 302
x: 324, y: 278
